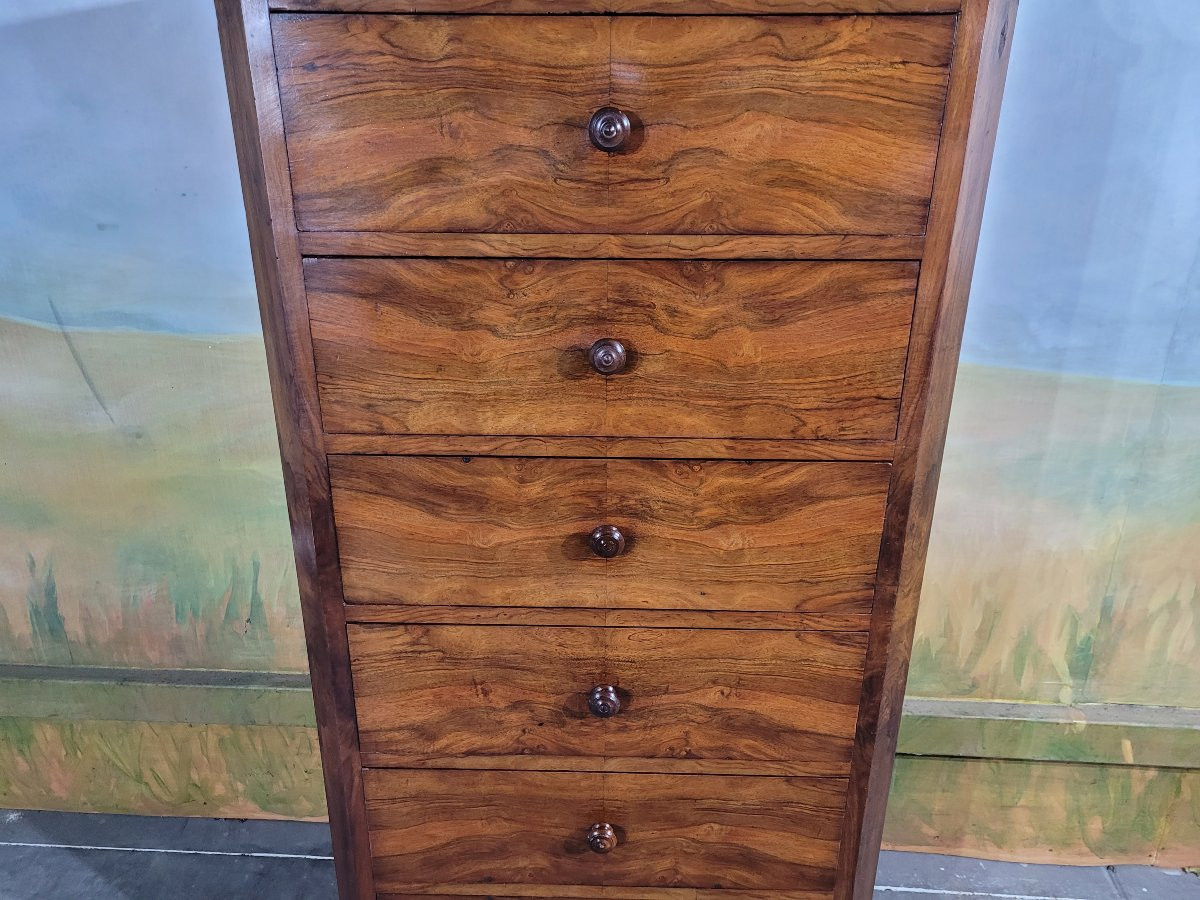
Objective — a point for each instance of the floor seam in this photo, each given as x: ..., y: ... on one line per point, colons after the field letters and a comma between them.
x: 954, y: 892
x: 250, y: 853
x: 1111, y: 874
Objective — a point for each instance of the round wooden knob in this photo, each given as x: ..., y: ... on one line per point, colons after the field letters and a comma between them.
x: 603, y: 701
x: 610, y: 129
x: 602, y: 838
x: 608, y: 356
x: 607, y: 541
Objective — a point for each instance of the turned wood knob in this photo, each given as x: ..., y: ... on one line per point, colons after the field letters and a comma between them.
x: 607, y: 541
x: 610, y: 129
x: 608, y: 356
x: 601, y: 838
x: 603, y: 701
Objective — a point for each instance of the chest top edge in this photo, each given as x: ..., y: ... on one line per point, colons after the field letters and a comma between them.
x: 618, y: 7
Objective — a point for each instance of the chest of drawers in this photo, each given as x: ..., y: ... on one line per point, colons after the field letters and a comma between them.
x: 611, y: 344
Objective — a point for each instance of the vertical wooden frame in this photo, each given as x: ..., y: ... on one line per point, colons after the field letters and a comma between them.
x: 982, y: 47
x: 245, y: 31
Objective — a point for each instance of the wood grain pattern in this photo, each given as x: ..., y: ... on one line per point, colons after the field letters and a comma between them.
x: 380, y: 614
x: 983, y: 46
x: 386, y: 759
x: 600, y: 892
x: 432, y: 123
x: 802, y: 134
x: 485, y: 695
x: 787, y: 537
x: 609, y: 448
x: 614, y: 246
x: 467, y: 346
x: 687, y: 831
x: 825, y: 125
x: 763, y: 350
x: 674, y: 7
x: 258, y: 133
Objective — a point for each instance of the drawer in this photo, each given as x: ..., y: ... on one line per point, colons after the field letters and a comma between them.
x: 506, y: 829
x: 764, y: 536
x: 712, y: 349
x: 617, y: 699
x: 750, y: 125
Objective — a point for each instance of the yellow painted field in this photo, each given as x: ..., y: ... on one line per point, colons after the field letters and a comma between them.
x: 1066, y: 549
x: 147, y: 527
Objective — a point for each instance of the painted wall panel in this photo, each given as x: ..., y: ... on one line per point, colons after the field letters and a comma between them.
x: 142, y: 520
x: 1038, y: 812
x: 1063, y: 564
x: 143, y: 527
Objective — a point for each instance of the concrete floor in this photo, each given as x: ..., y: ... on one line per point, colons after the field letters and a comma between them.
x: 69, y: 856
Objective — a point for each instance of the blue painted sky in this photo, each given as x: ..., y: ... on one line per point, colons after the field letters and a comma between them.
x: 119, y: 196
x: 1090, y: 255
x: 119, y: 193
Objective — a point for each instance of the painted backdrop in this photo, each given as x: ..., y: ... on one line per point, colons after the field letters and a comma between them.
x: 1066, y: 549
x: 151, y: 651
x: 145, y: 557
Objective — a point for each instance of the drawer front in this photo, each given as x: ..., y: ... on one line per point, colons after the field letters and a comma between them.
x: 515, y: 696
x: 766, y: 536
x: 497, y: 829
x: 713, y: 349
x: 755, y: 125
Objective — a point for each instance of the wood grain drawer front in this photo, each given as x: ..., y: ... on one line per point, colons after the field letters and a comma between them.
x: 448, y: 828
x: 792, y: 537
x: 714, y: 349
x: 756, y: 125
x: 512, y: 697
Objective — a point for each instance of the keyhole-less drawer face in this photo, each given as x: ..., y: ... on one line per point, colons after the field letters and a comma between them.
x: 762, y: 536
x: 740, y: 124
x: 500, y: 832
x: 706, y: 349
x: 682, y: 700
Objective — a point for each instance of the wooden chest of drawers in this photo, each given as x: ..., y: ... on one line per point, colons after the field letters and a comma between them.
x: 612, y: 344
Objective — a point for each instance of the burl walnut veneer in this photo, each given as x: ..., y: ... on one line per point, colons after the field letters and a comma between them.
x: 612, y: 345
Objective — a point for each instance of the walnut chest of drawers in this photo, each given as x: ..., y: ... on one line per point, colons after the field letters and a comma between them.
x: 612, y: 344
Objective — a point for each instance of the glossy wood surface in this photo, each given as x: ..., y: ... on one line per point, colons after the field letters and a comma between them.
x: 674, y: 7
x: 759, y: 125
x: 716, y: 349
x: 608, y: 448
x: 489, y: 695
x: 613, y: 246
x: 702, y: 535
x: 390, y: 614
x: 686, y: 831
x: 778, y: 125
x: 599, y: 892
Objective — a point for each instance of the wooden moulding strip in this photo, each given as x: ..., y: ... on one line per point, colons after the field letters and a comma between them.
x: 674, y: 7
x: 607, y: 448
x: 497, y: 891
x: 586, y: 617
x: 613, y: 246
